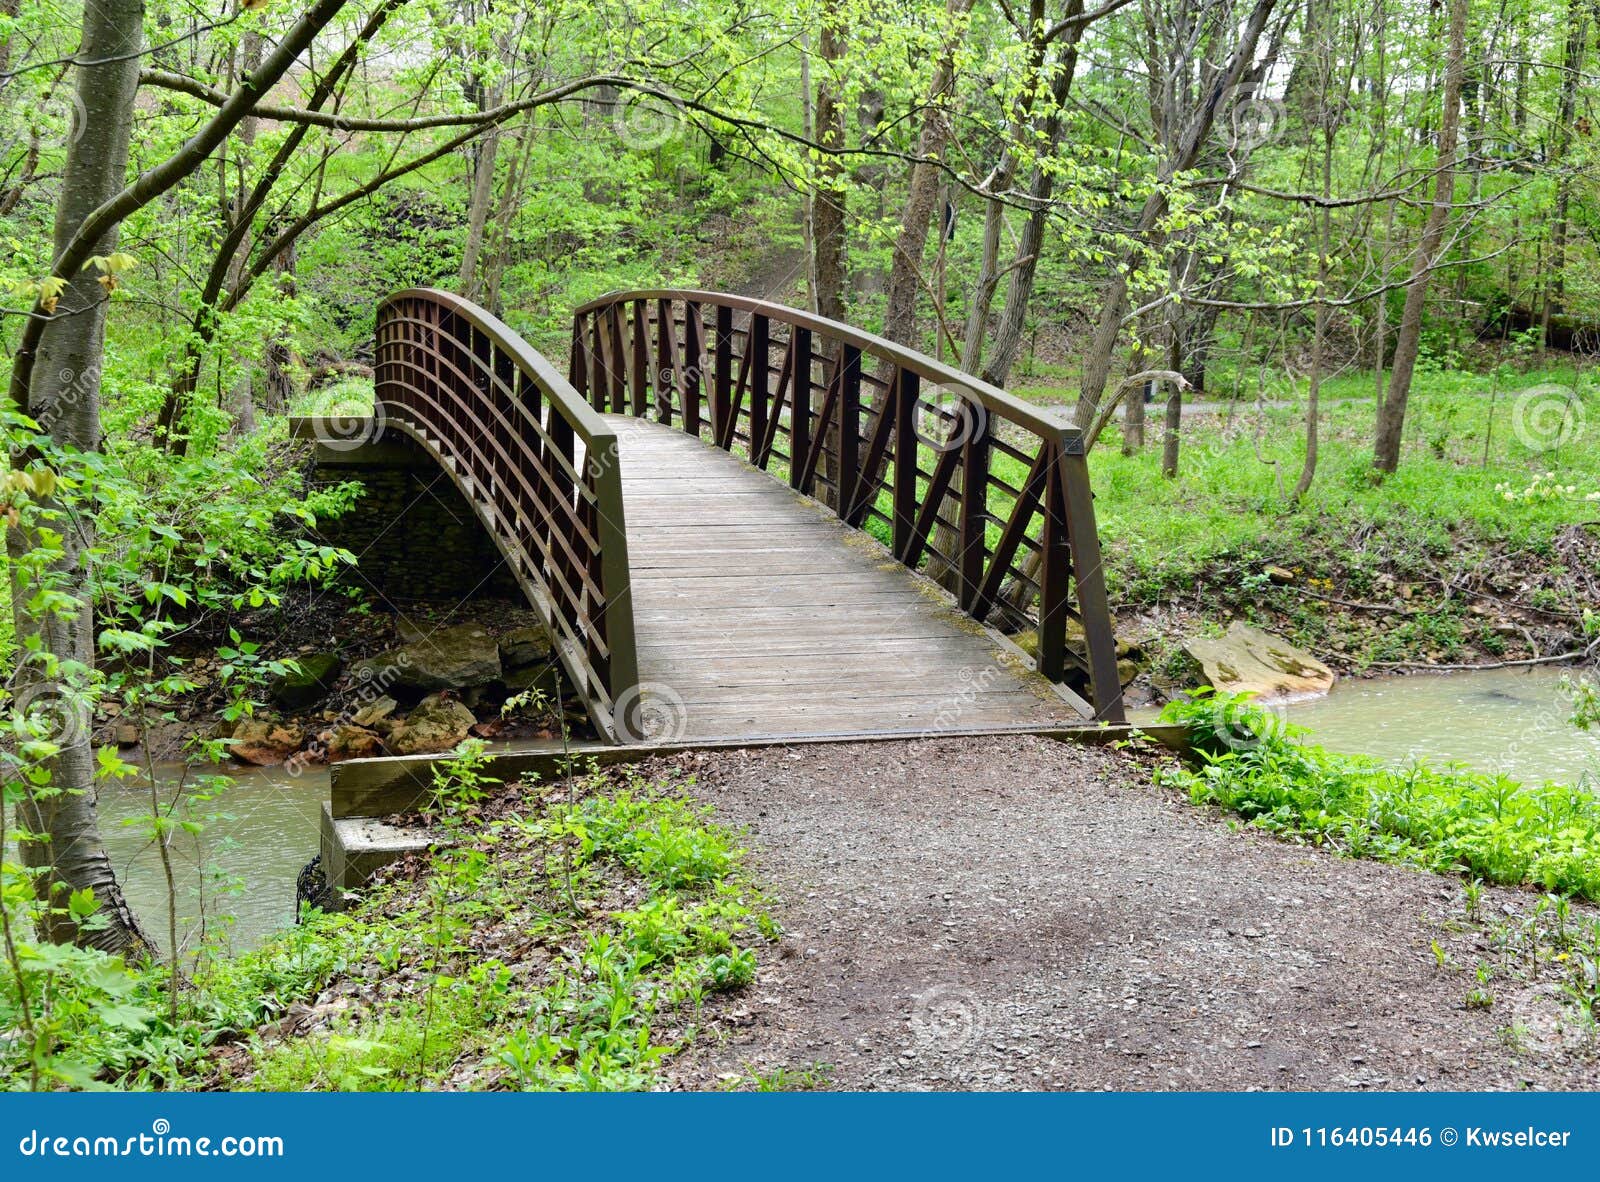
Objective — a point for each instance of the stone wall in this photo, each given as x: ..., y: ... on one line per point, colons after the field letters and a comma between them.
x: 414, y: 534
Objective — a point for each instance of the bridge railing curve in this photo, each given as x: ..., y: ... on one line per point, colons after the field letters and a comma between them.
x: 539, y: 466
x: 988, y: 493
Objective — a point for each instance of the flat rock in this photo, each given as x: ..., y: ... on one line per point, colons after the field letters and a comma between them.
x: 1248, y: 660
x: 374, y: 712
x: 528, y: 645
x: 264, y: 743
x: 437, y: 724
x: 455, y: 658
x: 343, y: 742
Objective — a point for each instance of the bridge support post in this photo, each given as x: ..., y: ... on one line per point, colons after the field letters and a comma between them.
x: 1089, y: 577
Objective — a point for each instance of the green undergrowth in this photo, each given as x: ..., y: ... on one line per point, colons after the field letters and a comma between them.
x: 1450, y: 820
x: 566, y: 946
x: 568, y: 938
x: 1479, y: 476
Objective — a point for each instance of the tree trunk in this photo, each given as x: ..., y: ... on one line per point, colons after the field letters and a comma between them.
x: 1408, y: 341
x: 1023, y: 123
x: 1319, y: 334
x: 1133, y: 418
x: 1171, y: 432
x: 482, y: 203
x: 510, y: 199
x: 828, y: 207
x: 1577, y: 43
x: 1172, y: 425
x: 905, y: 273
x: 63, y: 396
x: 1025, y: 262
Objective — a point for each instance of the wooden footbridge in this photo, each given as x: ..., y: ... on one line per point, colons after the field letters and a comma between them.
x: 741, y: 520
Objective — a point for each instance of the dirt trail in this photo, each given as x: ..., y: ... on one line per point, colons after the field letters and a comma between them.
x: 1013, y: 913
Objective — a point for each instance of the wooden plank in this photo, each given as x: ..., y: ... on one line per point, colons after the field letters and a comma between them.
x: 766, y: 614
x: 392, y: 784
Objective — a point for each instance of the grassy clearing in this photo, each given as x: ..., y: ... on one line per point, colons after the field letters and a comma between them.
x: 1230, y: 499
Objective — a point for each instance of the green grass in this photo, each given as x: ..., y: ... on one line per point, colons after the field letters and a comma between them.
x: 559, y: 946
x: 1231, y: 495
x: 347, y: 396
x: 630, y: 910
x: 1448, y: 820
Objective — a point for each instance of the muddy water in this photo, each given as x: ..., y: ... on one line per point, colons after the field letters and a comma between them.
x: 1512, y: 721
x: 246, y: 861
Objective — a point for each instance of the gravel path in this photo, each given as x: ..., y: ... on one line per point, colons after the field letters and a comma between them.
x: 1014, y: 913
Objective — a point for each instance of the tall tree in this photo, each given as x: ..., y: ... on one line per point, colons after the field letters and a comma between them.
x: 55, y: 378
x: 1034, y: 128
x: 911, y: 244
x: 1408, y: 340
x: 828, y: 203
x: 65, y: 848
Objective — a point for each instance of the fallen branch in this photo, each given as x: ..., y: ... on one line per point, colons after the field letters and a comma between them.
x: 1392, y: 609
x: 1553, y: 659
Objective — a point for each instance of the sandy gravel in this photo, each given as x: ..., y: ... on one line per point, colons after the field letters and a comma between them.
x: 1014, y: 913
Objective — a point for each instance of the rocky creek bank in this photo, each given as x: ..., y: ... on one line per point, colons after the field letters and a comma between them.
x: 417, y: 681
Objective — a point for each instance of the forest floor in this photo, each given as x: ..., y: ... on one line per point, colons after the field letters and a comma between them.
x: 1483, y: 548
x: 1012, y: 913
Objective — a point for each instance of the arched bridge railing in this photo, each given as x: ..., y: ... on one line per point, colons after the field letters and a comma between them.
x: 538, y: 465
x: 988, y: 493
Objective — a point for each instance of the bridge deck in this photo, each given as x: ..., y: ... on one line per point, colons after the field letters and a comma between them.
x: 764, y: 615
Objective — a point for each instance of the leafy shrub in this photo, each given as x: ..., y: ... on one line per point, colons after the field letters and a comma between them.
x: 1450, y: 820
